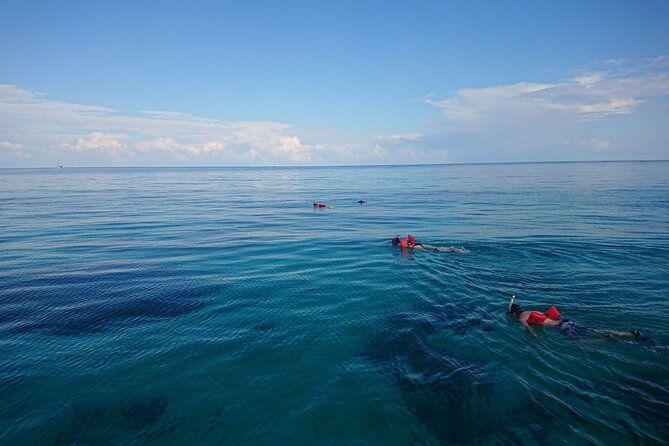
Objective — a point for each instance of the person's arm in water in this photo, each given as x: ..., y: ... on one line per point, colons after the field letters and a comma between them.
x: 434, y: 248
x: 523, y: 320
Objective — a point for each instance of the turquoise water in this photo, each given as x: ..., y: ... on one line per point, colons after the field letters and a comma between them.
x: 217, y: 306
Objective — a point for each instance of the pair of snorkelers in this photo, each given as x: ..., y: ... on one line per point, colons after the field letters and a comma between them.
x: 553, y: 319
x: 410, y: 243
x: 323, y: 205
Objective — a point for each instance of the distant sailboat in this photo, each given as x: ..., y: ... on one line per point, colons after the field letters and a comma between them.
x: 60, y: 166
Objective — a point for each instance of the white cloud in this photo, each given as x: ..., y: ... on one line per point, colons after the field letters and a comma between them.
x: 99, y: 141
x: 380, y: 152
x: 595, y: 143
x: 586, y: 97
x: 591, y: 95
x: 525, y: 120
x: 12, y: 93
x: 617, y: 62
x: 588, y: 79
x: 110, y: 144
x: 163, y: 144
x: 290, y: 147
x: 58, y: 126
x: 659, y: 61
x: 9, y: 145
x: 13, y: 149
x: 472, y: 105
x: 410, y: 148
x: 395, y: 139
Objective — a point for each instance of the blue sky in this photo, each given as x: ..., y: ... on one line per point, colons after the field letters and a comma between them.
x: 302, y: 82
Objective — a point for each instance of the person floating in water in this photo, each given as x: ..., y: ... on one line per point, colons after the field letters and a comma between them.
x: 322, y: 205
x: 552, y: 318
x: 410, y: 243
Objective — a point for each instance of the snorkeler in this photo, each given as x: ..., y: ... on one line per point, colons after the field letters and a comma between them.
x: 551, y: 318
x: 406, y: 243
x: 410, y: 243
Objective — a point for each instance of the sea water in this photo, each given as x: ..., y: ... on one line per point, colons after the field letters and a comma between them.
x: 218, y: 306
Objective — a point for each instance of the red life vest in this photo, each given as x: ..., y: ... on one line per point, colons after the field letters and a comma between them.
x: 412, y: 240
x: 536, y: 318
x: 553, y: 313
x: 404, y: 243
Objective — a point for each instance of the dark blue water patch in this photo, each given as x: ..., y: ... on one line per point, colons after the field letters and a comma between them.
x: 546, y: 416
x: 91, y: 423
x: 645, y: 393
x: 403, y: 330
x: 143, y: 412
x: 446, y: 391
x: 13, y: 313
x: 12, y: 389
x: 541, y: 415
x: 255, y: 330
x: 60, y: 282
x: 447, y: 394
x: 80, y: 310
x: 262, y: 326
x: 218, y: 425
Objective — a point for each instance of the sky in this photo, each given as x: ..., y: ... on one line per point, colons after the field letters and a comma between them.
x: 200, y: 83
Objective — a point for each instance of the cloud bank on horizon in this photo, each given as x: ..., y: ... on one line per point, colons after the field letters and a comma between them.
x: 618, y: 110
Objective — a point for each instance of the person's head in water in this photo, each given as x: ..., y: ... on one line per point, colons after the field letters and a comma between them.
x: 396, y: 240
x: 515, y: 310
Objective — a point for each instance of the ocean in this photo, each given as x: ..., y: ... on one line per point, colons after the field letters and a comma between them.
x: 172, y: 306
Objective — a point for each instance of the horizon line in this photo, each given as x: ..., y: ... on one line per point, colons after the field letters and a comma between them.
x: 241, y: 166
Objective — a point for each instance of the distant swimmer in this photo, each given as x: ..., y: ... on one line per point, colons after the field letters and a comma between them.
x: 322, y: 205
x: 361, y: 202
x: 552, y: 318
x: 410, y: 243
